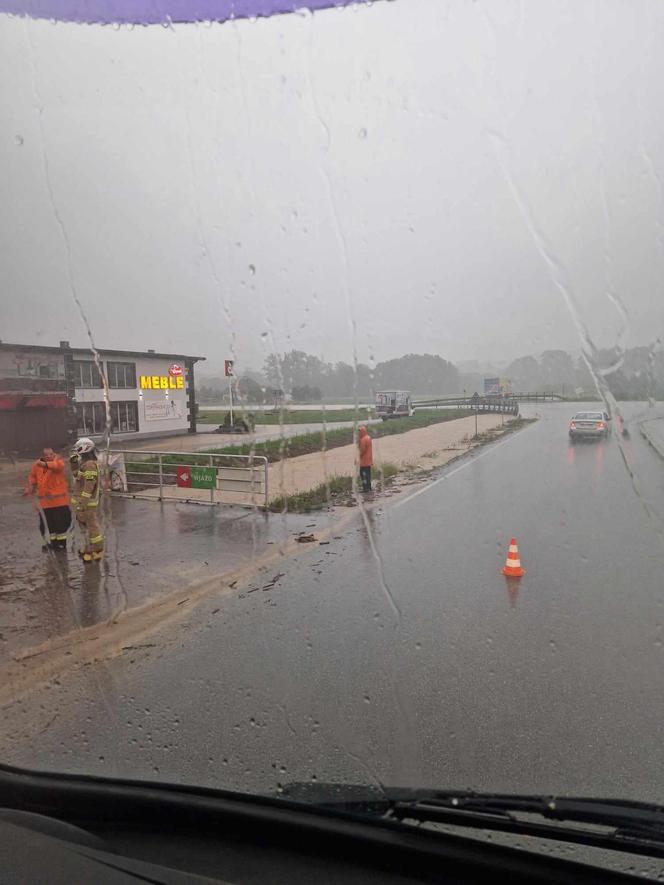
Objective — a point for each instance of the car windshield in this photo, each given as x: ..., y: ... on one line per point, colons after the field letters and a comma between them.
x: 298, y: 298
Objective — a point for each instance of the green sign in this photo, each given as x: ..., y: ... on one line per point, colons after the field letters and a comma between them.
x: 203, y: 477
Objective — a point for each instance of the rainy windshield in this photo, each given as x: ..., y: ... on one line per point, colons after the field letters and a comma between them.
x: 297, y: 311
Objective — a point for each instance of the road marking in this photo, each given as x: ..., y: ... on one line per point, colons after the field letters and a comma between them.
x: 490, y: 448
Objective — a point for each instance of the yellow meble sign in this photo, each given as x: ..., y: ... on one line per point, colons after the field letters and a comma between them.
x: 161, y: 382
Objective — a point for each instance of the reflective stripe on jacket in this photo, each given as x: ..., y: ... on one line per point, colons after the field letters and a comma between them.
x: 50, y: 483
x: 86, y: 484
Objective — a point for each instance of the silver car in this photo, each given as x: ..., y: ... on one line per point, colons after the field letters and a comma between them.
x: 589, y: 424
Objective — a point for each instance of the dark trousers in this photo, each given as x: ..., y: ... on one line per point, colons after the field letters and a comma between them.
x: 58, y: 523
x: 365, y: 478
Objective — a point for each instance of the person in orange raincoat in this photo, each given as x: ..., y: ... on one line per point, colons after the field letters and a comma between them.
x: 48, y: 481
x: 366, y: 458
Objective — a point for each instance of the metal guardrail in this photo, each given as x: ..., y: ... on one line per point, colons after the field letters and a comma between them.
x: 500, y: 404
x: 196, y: 477
x: 539, y: 397
x: 490, y: 402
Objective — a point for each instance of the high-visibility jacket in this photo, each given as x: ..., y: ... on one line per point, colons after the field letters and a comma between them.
x: 366, y: 448
x: 86, y: 484
x: 49, y: 483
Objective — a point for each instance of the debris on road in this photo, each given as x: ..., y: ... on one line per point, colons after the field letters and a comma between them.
x: 270, y: 585
x: 305, y: 539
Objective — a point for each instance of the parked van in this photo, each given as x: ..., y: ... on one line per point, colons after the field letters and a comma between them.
x: 393, y: 404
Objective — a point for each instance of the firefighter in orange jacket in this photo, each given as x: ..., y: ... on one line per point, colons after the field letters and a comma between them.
x: 86, y: 497
x: 47, y: 480
x: 366, y: 459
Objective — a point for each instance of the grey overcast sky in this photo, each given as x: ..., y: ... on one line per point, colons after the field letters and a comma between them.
x: 408, y: 176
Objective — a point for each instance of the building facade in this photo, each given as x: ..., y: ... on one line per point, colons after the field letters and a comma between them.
x: 50, y: 395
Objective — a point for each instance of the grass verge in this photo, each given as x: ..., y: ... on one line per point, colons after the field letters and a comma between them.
x: 315, y: 499
x: 339, y: 489
x: 308, y: 443
x: 301, y: 416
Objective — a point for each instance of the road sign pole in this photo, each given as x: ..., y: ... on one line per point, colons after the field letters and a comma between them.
x: 475, y: 421
x: 230, y: 395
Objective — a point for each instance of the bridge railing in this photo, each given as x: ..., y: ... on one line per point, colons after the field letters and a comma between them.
x: 489, y: 402
x: 499, y: 404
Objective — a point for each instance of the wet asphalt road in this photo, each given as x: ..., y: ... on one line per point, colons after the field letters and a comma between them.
x: 398, y: 653
x: 152, y: 549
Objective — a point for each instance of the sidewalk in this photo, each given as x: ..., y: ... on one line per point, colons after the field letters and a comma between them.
x: 425, y: 447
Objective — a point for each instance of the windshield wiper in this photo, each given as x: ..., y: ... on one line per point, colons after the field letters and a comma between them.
x: 614, y: 824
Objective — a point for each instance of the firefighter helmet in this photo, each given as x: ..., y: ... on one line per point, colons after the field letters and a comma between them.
x: 83, y: 446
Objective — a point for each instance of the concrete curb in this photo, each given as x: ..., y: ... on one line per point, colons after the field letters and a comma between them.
x: 654, y: 442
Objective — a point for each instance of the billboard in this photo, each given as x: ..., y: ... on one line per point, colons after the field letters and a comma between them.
x: 497, y: 386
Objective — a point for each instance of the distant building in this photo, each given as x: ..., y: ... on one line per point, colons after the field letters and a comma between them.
x: 50, y: 395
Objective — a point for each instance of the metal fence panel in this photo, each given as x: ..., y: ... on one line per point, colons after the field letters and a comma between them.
x: 163, y: 476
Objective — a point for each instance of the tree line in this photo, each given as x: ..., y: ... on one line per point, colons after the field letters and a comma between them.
x: 633, y: 374
x: 307, y: 378
x: 637, y: 373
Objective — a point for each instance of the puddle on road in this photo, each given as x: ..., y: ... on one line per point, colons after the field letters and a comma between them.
x: 151, y: 550
x: 46, y: 597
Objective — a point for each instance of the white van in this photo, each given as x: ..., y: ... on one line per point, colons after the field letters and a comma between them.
x: 393, y: 404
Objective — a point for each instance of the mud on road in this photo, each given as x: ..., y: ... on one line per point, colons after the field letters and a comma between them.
x: 162, y: 559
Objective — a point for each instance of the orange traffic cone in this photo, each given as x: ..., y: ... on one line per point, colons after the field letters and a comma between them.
x: 512, y: 567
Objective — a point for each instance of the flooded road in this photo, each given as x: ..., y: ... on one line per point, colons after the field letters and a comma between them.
x: 152, y: 549
x: 398, y: 653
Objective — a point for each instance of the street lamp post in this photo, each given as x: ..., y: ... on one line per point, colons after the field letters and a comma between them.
x: 475, y: 399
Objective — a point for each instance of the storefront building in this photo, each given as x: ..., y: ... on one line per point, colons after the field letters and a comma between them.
x: 61, y: 392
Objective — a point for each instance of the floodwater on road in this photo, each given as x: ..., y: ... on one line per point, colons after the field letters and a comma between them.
x: 152, y: 549
x: 399, y: 654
